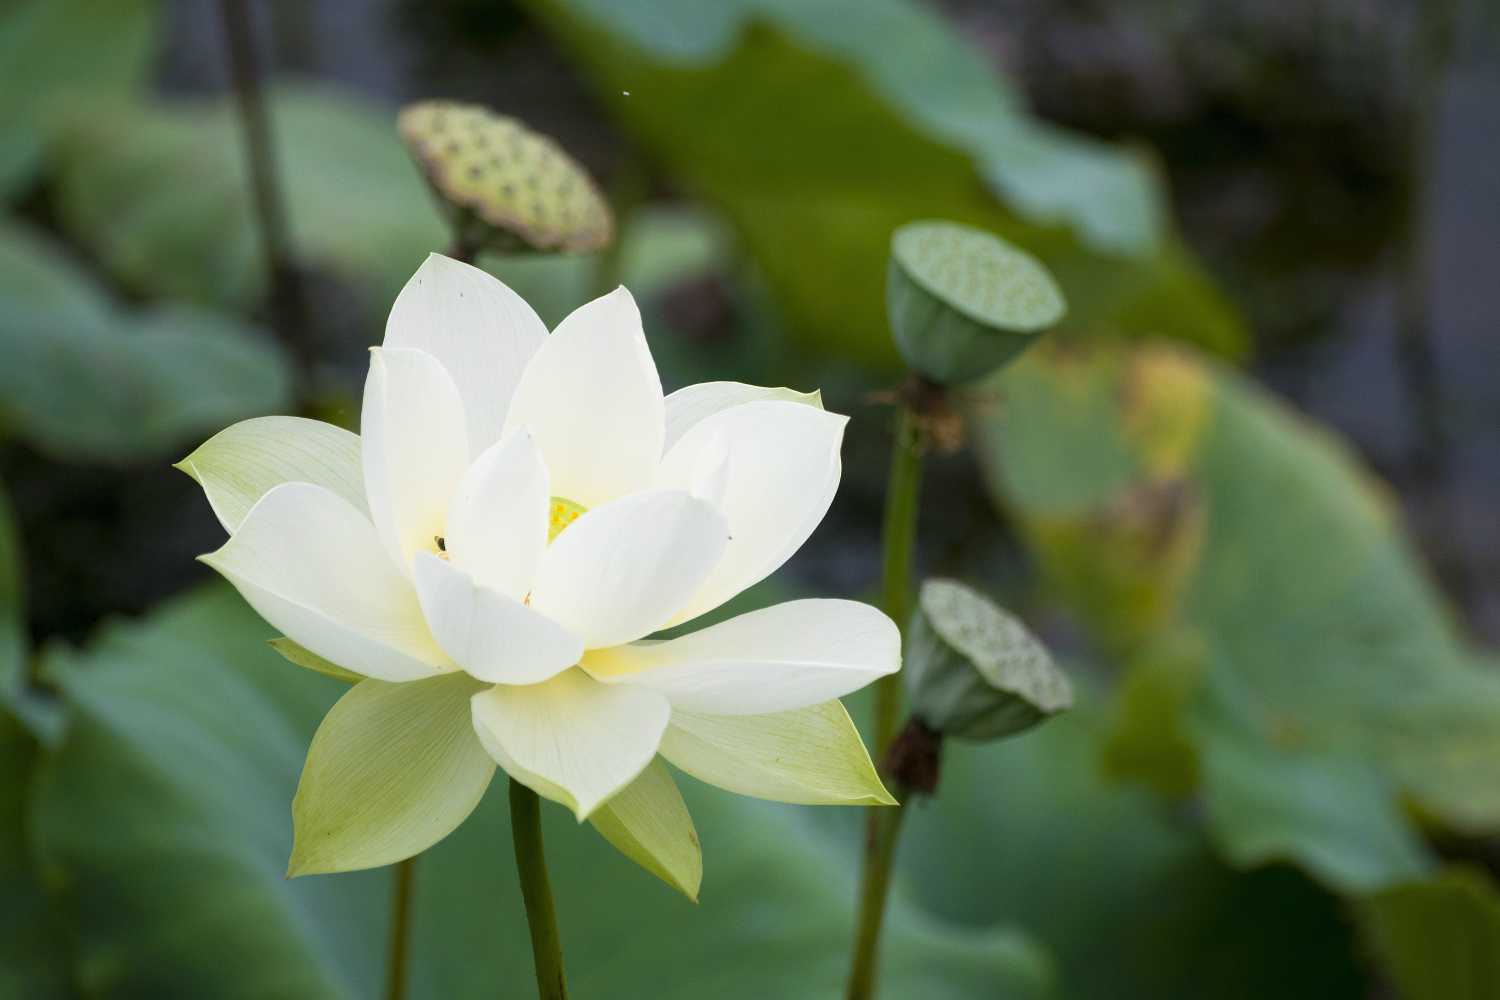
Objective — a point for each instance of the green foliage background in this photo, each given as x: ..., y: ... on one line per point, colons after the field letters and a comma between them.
x: 1284, y: 741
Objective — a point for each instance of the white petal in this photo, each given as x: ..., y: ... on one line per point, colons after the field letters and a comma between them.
x: 810, y: 756
x: 414, y: 449
x: 491, y: 636
x: 779, y: 658
x: 239, y: 464
x: 592, y: 399
x: 781, y: 473
x: 619, y: 571
x: 312, y: 566
x: 482, y: 332
x: 571, y: 739
x: 690, y: 404
x: 497, y: 520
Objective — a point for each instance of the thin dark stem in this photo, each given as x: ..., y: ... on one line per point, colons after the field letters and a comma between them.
x: 288, y: 302
x: 536, y: 891
x: 400, y: 943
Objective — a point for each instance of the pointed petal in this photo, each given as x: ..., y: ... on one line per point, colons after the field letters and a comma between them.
x: 239, y: 464
x: 810, y: 756
x: 491, y: 636
x: 691, y: 404
x: 782, y: 468
x: 497, y: 520
x: 393, y: 769
x: 592, y: 399
x: 414, y: 449
x: 481, y: 332
x: 783, y: 657
x: 619, y: 571
x: 570, y: 739
x: 296, y: 653
x: 649, y: 823
x: 312, y: 566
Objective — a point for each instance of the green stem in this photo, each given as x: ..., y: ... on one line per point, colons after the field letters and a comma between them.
x: 531, y: 864
x: 395, y: 976
x: 899, y: 536
x: 880, y: 854
x: 882, y: 823
x: 288, y: 298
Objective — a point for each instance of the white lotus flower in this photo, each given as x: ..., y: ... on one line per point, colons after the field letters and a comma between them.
x: 520, y: 512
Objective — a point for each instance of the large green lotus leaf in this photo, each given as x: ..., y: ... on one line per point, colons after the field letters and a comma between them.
x: 54, y: 53
x: 83, y: 380
x: 159, y: 193
x: 1332, y: 686
x: 1125, y: 892
x: 33, y: 959
x: 166, y: 814
x: 1441, y: 936
x: 819, y: 140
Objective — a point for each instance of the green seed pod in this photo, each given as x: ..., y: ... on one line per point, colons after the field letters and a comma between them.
x: 506, y: 187
x: 973, y: 671
x: 963, y: 302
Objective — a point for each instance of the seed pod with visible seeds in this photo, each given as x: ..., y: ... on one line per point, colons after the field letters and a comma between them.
x: 505, y: 187
x: 974, y: 671
x: 962, y: 302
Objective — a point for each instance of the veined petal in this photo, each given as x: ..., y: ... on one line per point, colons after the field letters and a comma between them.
x: 780, y: 470
x: 649, y: 823
x: 690, y: 404
x: 592, y: 399
x: 491, y: 636
x: 393, y: 769
x: 414, y: 448
x: 238, y: 465
x: 312, y: 565
x: 497, y: 520
x: 571, y: 739
x: 481, y: 332
x: 779, y: 658
x: 810, y: 756
x: 619, y: 571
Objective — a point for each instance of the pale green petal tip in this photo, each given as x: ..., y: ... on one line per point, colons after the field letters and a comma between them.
x: 299, y: 655
x: 186, y: 466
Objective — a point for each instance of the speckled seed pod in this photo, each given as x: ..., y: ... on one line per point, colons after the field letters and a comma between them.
x: 506, y: 187
x: 974, y: 672
x: 962, y: 302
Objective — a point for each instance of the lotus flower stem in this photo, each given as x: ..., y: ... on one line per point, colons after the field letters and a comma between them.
x: 287, y: 296
x: 536, y: 890
x: 884, y: 830
x: 395, y: 979
x: 882, y: 826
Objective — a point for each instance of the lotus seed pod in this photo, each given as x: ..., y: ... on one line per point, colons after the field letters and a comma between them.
x: 973, y: 671
x: 963, y: 302
x: 506, y: 187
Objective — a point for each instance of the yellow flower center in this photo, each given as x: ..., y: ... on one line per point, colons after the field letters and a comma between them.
x: 564, y: 513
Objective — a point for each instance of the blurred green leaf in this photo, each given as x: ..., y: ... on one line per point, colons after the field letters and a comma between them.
x: 33, y: 958
x: 1441, y: 938
x: 159, y: 193
x: 1334, y: 687
x: 819, y: 141
x: 166, y: 812
x: 1125, y: 892
x: 54, y: 53
x: 81, y: 380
